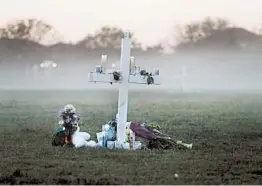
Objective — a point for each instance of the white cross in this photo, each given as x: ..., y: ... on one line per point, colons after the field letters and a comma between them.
x: 129, y: 73
x: 183, y: 76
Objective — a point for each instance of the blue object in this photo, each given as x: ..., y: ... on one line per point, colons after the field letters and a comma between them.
x: 110, y: 133
x: 59, y: 130
x: 109, y: 136
x: 98, y: 69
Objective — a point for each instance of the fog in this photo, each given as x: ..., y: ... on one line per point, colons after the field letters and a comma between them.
x: 223, y: 72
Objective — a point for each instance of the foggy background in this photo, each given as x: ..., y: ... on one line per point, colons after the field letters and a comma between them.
x: 217, y: 54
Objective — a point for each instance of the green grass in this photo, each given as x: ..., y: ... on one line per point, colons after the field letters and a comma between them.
x: 225, y: 130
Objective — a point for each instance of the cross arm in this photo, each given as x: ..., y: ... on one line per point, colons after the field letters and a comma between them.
x: 101, y: 77
x: 133, y: 78
x: 140, y: 79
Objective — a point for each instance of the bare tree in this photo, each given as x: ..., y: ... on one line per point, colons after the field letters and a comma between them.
x: 196, y: 31
x: 189, y: 33
x: 222, y: 24
x: 208, y: 26
x: 193, y: 32
x: 29, y: 29
x: 106, y: 37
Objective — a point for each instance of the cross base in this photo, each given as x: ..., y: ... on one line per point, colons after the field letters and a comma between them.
x: 128, y: 144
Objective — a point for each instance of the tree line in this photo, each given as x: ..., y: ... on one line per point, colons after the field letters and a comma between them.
x: 109, y: 38
x: 38, y: 31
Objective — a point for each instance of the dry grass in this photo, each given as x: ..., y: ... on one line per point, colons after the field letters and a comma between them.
x: 225, y: 130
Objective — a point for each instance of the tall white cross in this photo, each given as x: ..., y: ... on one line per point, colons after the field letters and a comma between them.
x: 128, y: 73
x: 123, y: 87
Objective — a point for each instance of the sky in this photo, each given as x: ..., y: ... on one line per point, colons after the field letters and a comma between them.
x: 151, y: 20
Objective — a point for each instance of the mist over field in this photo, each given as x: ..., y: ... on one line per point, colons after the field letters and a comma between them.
x: 238, y: 72
x: 217, y: 55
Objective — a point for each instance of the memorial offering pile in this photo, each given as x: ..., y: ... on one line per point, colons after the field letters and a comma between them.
x: 138, y: 136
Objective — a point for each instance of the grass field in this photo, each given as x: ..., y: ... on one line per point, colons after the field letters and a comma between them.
x: 225, y: 130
